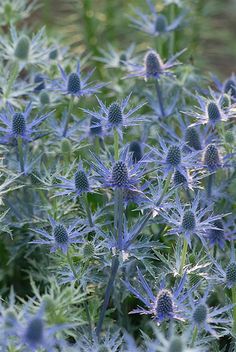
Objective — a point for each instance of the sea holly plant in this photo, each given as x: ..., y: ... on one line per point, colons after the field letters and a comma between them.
x: 117, y: 167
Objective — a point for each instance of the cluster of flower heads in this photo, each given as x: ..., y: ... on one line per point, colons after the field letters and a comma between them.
x: 114, y: 188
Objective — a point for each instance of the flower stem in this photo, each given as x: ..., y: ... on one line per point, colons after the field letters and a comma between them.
x: 234, y: 309
x: 71, y: 264
x: 114, y: 269
x: 159, y: 97
x: 21, y: 155
x: 209, y: 185
x: 88, y: 210
x: 195, y: 331
x: 188, y: 194
x: 183, y: 259
x: 118, y: 223
x: 68, y: 116
x: 116, y: 145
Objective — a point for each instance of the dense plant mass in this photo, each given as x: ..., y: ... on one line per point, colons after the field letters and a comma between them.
x: 117, y: 191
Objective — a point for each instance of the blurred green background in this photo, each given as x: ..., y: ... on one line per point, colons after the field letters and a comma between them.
x: 90, y: 24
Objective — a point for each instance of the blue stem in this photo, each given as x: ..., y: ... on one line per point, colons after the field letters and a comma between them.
x: 114, y: 269
x: 68, y: 116
x: 210, y: 182
x: 21, y: 154
x: 159, y: 97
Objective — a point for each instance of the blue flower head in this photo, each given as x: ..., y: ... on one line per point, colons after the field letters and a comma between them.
x: 172, y: 158
x: 123, y: 174
x: 17, y: 125
x: 114, y: 116
x: 77, y: 186
x: 166, y: 305
x: 211, y: 158
x: 116, y: 59
x: 228, y: 86
x: 74, y: 84
x: 153, y: 66
x: 156, y: 24
x: 207, y: 318
x: 136, y: 149
x: 60, y: 237
x: 35, y: 334
x: 211, y: 111
x: 27, y: 51
x: 220, y: 234
x: 225, y: 276
x: 191, y: 219
x: 39, y: 83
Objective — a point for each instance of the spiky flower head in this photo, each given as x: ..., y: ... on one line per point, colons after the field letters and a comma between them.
x: 34, y: 334
x: 153, y: 64
x: 115, y: 114
x: 211, y: 158
x: 95, y: 126
x: 230, y: 87
x: 39, y: 81
x: 213, y: 112
x: 22, y: 48
x: 200, y: 313
x: 44, y: 98
x: 53, y: 54
x: 189, y: 220
x: 123, y: 58
x: 18, y: 124
x: 60, y: 234
x: 73, y: 83
x: 81, y: 181
x: 173, y: 157
x: 216, y: 235
x: 164, y: 304
x: 120, y: 174
x: 231, y: 274
x: 192, y: 138
x: 161, y: 24
x: 178, y: 178
x: 136, y: 150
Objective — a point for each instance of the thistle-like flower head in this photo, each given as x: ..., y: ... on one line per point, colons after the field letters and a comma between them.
x: 155, y: 24
x: 74, y: 84
x: 61, y: 236
x: 136, y: 149
x: 211, y: 158
x: 82, y: 182
x: 190, y: 219
x: 153, y: 66
x: 123, y: 174
x: 207, y: 318
x: 115, y: 115
x: 25, y: 50
x: 166, y: 305
x: 17, y: 124
x: 211, y: 111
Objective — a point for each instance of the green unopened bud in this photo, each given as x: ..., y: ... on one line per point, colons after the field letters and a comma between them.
x: 229, y: 137
x: 44, y: 98
x: 66, y: 148
x: 22, y: 48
